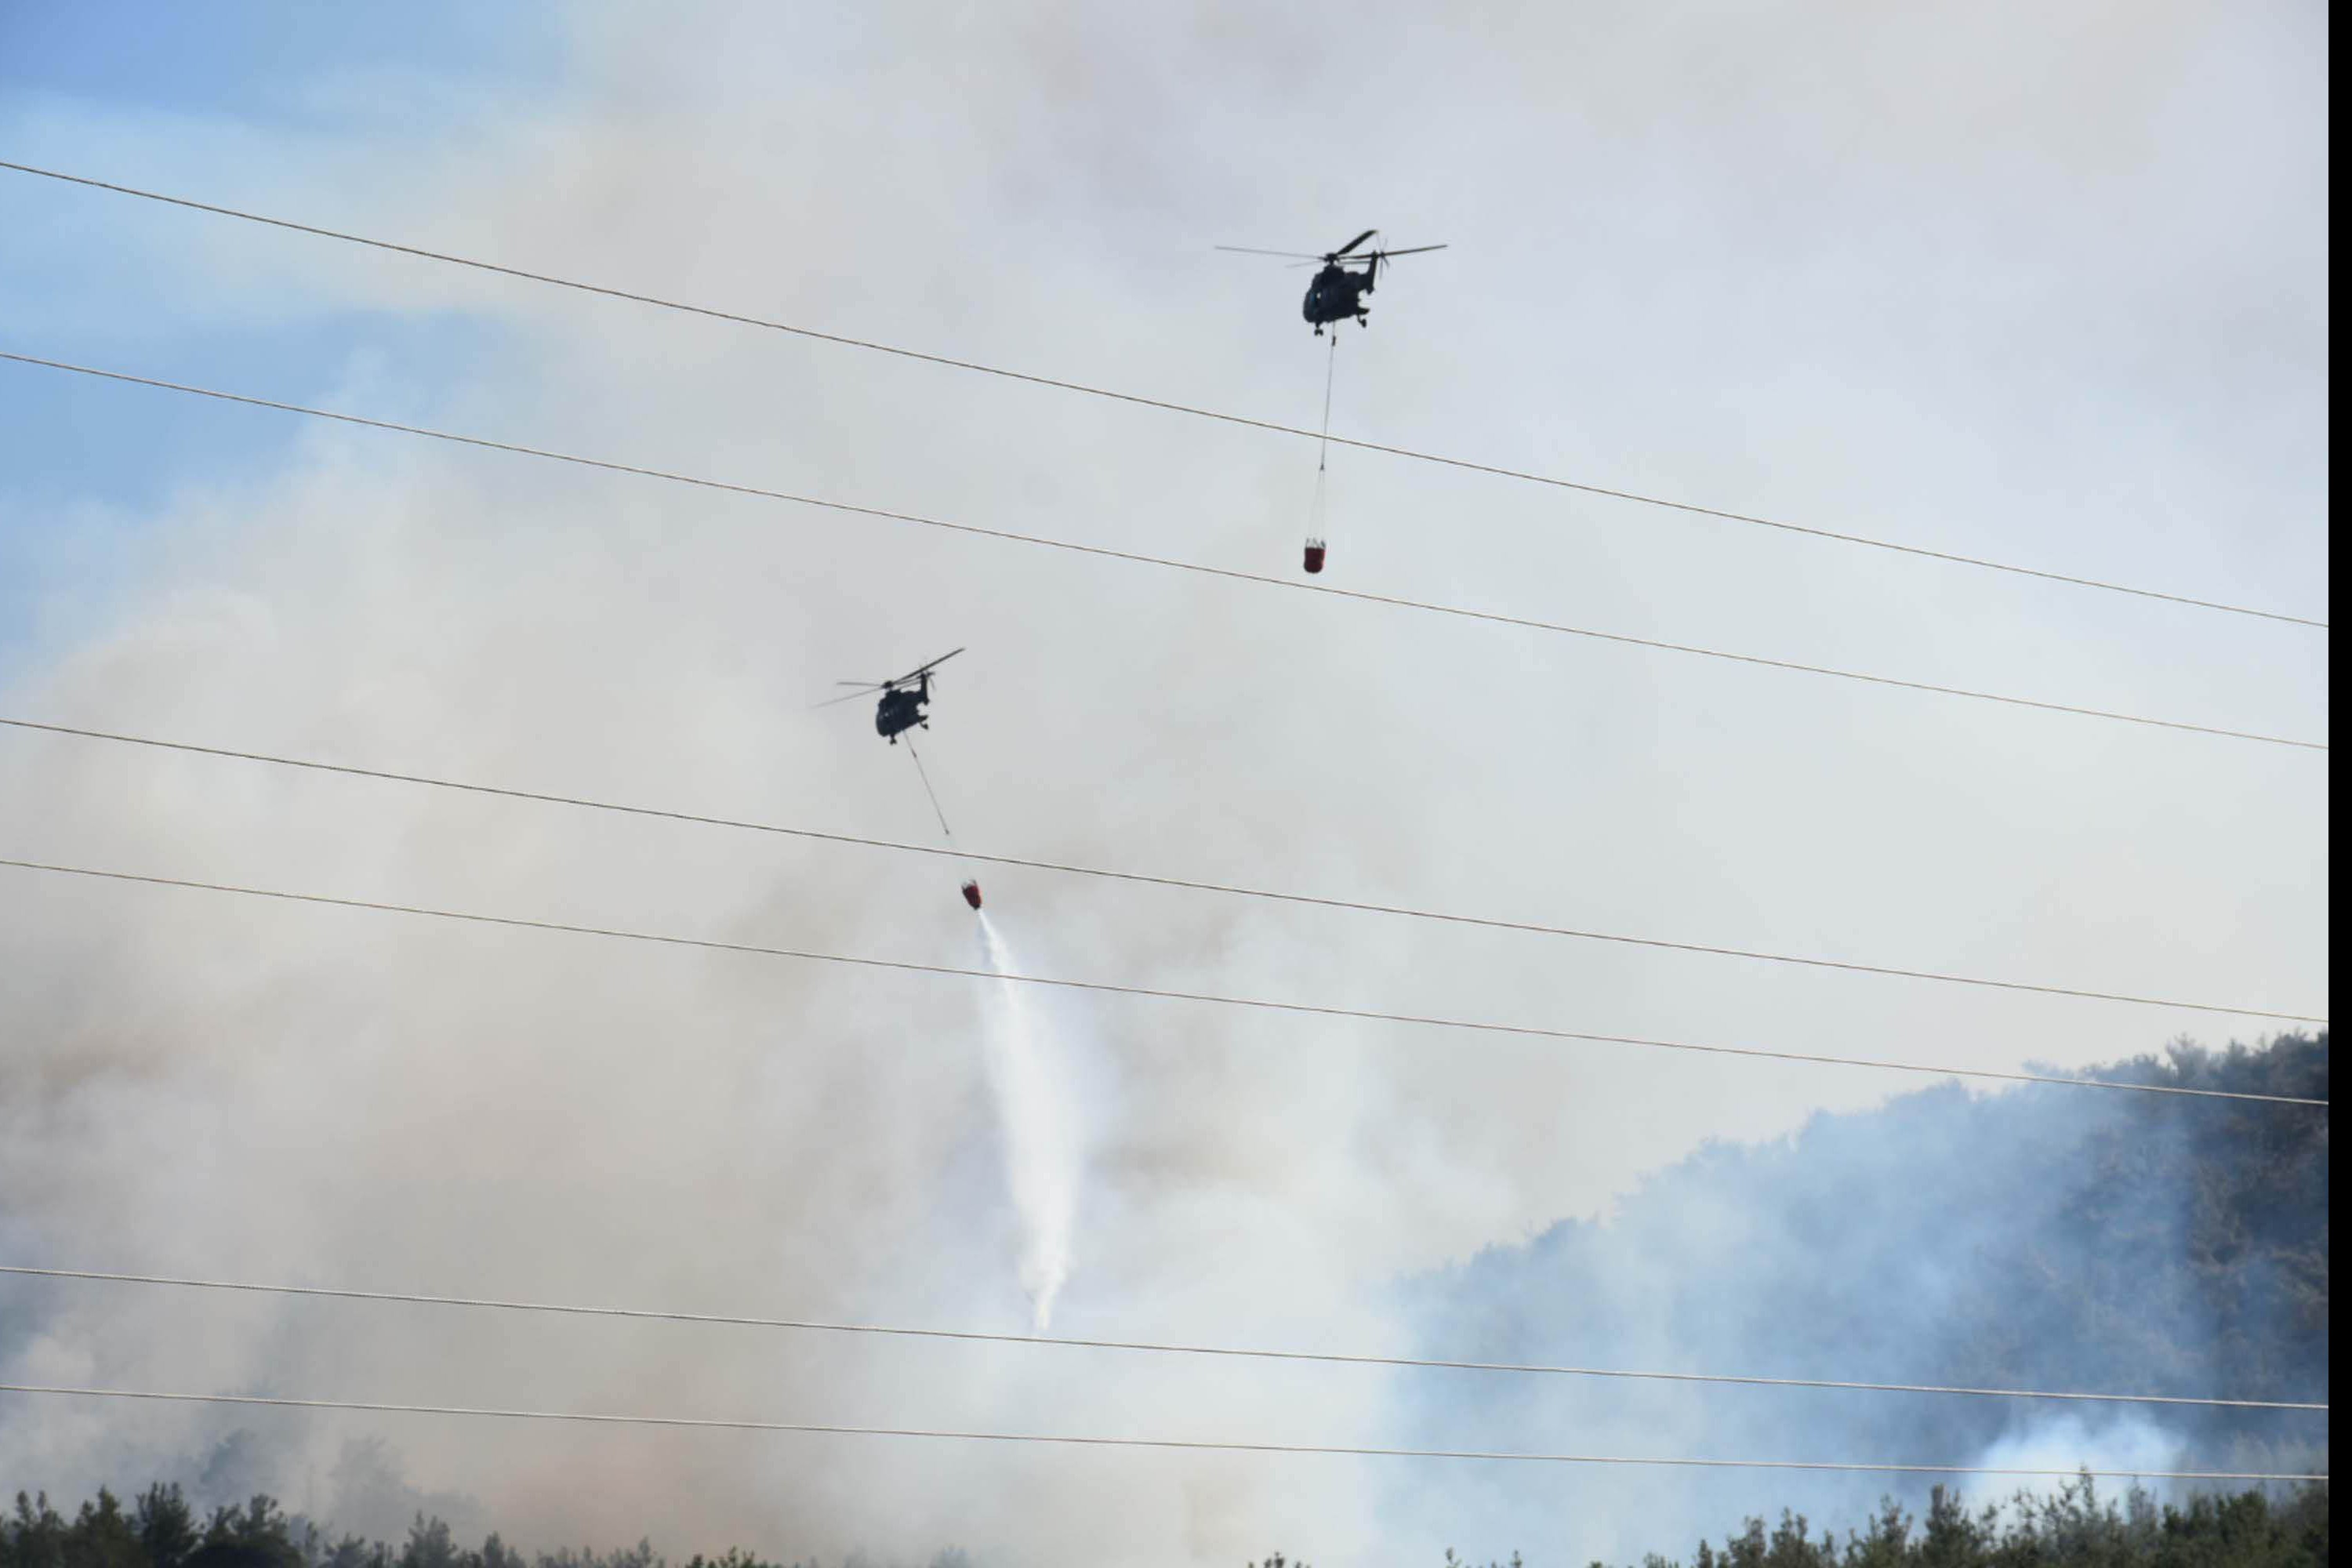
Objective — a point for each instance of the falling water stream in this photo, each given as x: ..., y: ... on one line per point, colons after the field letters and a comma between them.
x: 1039, y: 1133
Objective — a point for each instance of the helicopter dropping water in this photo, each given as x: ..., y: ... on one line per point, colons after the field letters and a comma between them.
x: 1034, y: 1116
x: 903, y: 705
x: 1334, y: 294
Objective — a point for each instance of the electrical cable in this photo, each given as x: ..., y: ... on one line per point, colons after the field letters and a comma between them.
x: 835, y: 1429
x: 1107, y: 553
x: 1405, y: 452
x: 911, y: 966
x: 1074, y: 1342
x: 1140, y: 878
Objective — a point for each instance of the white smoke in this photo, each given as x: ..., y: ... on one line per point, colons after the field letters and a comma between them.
x: 2128, y: 1442
x: 1034, y: 1109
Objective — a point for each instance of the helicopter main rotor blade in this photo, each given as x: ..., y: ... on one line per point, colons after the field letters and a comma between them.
x: 1415, y: 250
x: 924, y: 670
x: 845, y: 697
x: 1353, y: 242
x: 1254, y: 250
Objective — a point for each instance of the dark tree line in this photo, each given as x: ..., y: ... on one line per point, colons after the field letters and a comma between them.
x: 161, y: 1529
x: 2073, y: 1525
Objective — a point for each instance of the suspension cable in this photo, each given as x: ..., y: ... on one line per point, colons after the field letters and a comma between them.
x: 1323, y: 436
x: 1317, y: 521
x: 924, y: 774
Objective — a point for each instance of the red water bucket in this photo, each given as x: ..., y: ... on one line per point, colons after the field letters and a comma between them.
x: 1314, y: 555
x: 972, y: 894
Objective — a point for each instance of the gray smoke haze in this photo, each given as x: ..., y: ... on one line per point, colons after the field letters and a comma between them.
x: 2028, y: 283
x: 2021, y: 1239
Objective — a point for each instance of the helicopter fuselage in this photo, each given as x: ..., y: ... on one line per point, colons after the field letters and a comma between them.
x: 901, y: 710
x: 1337, y: 294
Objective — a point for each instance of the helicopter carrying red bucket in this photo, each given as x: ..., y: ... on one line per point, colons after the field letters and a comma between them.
x: 1336, y: 294
x: 901, y: 711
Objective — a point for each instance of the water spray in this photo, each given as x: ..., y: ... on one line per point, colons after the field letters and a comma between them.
x: 1039, y: 1128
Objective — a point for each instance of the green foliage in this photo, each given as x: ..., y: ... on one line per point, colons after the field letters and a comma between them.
x: 734, y: 1557
x: 2072, y: 1525
x: 254, y: 1536
x: 161, y: 1530
x: 166, y: 1524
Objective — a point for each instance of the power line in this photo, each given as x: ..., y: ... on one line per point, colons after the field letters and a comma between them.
x: 910, y: 966
x: 1075, y: 1342
x: 1107, y: 553
x: 1034, y: 380
x: 1143, y: 878
x: 836, y: 1430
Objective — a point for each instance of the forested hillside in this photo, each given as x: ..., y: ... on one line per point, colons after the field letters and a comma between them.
x: 2045, y: 1238
x: 2042, y: 1238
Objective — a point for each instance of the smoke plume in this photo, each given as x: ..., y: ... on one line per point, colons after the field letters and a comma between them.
x: 2024, y: 282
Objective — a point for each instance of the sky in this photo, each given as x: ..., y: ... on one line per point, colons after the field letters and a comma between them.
x: 2042, y: 284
